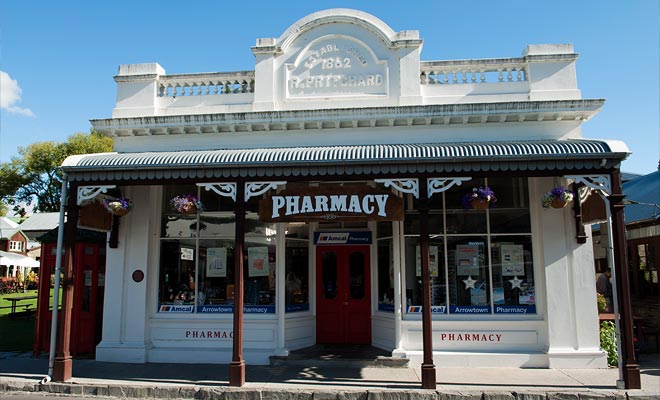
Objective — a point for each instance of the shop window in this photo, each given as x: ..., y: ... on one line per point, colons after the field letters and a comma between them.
x: 414, y: 275
x: 469, y: 290
x: 297, y: 267
x: 385, y: 249
x: 644, y: 270
x: 480, y: 260
x: 513, y: 275
x: 198, y: 256
x: 511, y: 212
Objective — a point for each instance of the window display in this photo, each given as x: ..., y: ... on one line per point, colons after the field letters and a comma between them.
x: 385, y: 266
x: 199, y: 248
x: 297, y: 267
x: 480, y: 260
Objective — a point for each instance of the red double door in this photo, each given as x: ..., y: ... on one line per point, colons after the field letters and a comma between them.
x: 343, y: 306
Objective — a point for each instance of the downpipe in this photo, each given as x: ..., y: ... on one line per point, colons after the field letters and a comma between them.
x: 56, y: 289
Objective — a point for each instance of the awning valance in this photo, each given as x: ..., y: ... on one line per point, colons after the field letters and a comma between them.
x: 349, y: 160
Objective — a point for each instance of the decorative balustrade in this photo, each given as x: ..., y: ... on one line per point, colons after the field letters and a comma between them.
x: 206, y: 84
x: 473, y: 71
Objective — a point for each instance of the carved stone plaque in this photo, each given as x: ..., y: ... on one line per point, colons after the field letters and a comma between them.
x: 337, y: 66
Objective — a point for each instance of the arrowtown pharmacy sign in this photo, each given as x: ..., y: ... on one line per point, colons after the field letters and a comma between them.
x: 336, y: 66
x: 332, y: 203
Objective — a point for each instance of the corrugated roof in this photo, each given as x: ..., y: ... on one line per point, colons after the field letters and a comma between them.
x: 646, y: 191
x: 338, y: 160
x: 41, y: 222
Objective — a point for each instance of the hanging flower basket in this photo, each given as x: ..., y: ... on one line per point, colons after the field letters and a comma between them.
x: 186, y: 204
x: 479, y: 204
x: 558, y: 197
x: 480, y: 198
x: 118, y: 206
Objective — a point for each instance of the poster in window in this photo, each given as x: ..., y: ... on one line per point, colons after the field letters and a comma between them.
x: 467, y: 260
x: 187, y: 253
x: 512, y: 260
x: 216, y: 262
x: 433, y: 261
x: 527, y: 294
x: 258, y: 261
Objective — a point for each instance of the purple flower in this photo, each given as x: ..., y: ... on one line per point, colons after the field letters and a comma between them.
x: 186, y: 204
x: 479, y: 193
x: 557, y: 193
x: 114, y: 205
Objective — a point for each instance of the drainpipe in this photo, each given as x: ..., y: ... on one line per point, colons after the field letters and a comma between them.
x: 620, y: 384
x: 56, y: 290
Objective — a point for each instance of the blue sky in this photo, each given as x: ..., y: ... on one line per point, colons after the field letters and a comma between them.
x: 61, y: 56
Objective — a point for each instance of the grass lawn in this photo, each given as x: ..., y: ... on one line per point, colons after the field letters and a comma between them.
x: 18, y: 334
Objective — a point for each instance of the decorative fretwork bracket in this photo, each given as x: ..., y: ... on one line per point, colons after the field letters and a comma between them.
x: 258, y: 188
x: 405, y: 185
x: 225, y: 189
x: 596, y: 182
x: 439, y: 185
x: 88, y: 193
x: 584, y: 184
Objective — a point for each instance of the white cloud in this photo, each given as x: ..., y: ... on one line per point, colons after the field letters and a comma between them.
x: 10, y: 94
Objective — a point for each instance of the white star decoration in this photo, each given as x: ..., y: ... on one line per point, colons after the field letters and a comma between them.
x: 469, y: 282
x: 515, y: 283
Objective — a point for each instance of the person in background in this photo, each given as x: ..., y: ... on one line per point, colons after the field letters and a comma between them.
x: 604, y: 287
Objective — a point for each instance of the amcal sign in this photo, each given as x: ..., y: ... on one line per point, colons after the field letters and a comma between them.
x: 332, y: 203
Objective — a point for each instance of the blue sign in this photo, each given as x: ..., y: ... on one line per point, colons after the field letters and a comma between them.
x: 434, y: 309
x: 331, y: 238
x: 524, y: 309
x: 228, y: 309
x: 297, y: 307
x: 386, y: 307
x: 469, y: 309
x: 173, y: 308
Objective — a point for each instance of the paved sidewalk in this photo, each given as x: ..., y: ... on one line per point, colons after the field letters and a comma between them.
x: 21, y: 372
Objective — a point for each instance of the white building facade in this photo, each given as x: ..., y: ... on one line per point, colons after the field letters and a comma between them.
x: 335, y: 175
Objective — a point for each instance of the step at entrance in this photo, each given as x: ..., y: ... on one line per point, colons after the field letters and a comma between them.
x: 324, y: 355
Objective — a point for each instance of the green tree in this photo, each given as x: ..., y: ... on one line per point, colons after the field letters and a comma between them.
x: 35, y: 177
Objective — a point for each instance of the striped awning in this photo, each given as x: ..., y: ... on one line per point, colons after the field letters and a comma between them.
x: 349, y: 160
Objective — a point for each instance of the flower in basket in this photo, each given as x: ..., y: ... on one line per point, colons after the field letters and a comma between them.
x: 186, y: 204
x: 558, y: 197
x: 479, y: 198
x: 118, y: 206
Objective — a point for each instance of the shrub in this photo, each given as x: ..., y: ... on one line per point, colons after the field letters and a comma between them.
x: 608, y: 342
x: 602, y: 302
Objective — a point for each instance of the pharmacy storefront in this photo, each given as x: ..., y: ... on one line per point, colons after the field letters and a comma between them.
x: 345, y: 192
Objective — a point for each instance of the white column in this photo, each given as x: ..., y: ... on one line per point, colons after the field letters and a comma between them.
x: 280, y: 290
x: 398, y: 295
x: 127, y: 336
x: 570, y: 292
x: 113, y: 299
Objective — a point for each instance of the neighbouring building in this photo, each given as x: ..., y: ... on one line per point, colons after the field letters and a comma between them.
x: 13, y: 249
x: 333, y: 179
x: 642, y: 217
x: 37, y: 225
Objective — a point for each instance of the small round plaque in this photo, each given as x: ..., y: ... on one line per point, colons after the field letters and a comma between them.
x: 138, y: 275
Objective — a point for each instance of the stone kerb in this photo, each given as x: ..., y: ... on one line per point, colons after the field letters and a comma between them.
x: 134, y: 391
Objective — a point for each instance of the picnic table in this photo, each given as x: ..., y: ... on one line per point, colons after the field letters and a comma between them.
x: 15, y: 300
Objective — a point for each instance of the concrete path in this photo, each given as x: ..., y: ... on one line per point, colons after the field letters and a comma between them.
x: 21, y: 372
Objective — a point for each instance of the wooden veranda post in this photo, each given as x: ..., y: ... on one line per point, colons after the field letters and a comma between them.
x: 237, y: 366
x: 62, y: 368
x: 631, y: 374
x: 428, y: 368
